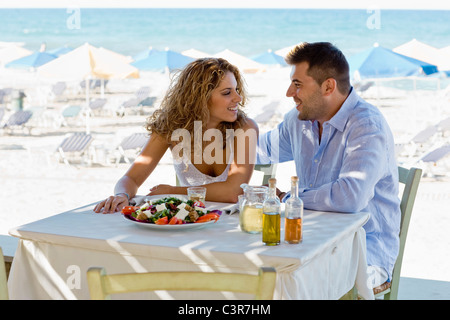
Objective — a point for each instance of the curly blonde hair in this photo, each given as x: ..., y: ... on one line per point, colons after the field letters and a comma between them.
x: 188, y: 95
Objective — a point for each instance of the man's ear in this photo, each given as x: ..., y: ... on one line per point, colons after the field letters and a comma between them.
x: 329, y: 86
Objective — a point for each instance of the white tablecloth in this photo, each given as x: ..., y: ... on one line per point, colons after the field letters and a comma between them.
x: 55, y: 253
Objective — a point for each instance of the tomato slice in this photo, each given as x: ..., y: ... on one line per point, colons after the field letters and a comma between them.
x: 208, y: 217
x: 129, y: 209
x: 199, y: 204
x: 163, y: 220
x: 173, y: 220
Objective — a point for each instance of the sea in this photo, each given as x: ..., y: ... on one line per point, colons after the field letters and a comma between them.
x: 248, y: 32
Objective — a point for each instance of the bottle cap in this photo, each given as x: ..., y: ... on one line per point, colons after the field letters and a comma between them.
x: 272, y: 182
x: 294, y: 178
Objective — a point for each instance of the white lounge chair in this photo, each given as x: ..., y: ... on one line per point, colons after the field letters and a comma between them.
x: 75, y: 145
x: 433, y: 162
x: 132, y: 143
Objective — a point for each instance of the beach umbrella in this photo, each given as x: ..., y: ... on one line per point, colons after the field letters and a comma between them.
x: 245, y: 64
x: 4, y: 44
x: 60, y: 51
x: 284, y: 51
x: 12, y: 52
x: 424, y: 52
x: 270, y: 58
x: 163, y: 61
x: 34, y: 60
x: 196, y: 54
x: 144, y: 54
x: 379, y: 62
x: 88, y: 62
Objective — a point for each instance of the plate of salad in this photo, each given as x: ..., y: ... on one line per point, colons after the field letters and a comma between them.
x: 171, y: 213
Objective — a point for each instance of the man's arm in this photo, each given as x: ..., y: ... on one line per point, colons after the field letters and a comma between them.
x: 365, y: 161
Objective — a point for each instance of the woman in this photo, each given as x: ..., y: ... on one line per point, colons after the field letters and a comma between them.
x: 204, y: 102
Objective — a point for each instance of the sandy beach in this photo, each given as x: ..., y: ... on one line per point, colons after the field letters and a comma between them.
x: 35, y: 185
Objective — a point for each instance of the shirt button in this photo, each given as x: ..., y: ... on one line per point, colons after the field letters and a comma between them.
x: 316, y: 160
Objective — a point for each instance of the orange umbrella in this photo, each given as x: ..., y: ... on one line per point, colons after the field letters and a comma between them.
x: 88, y: 62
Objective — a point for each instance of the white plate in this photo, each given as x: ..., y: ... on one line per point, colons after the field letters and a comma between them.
x: 169, y: 227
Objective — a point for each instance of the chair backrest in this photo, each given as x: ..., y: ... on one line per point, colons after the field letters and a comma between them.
x: 76, y: 142
x: 410, y: 178
x: 142, y: 93
x: 269, y: 171
x: 19, y: 118
x: 97, y: 104
x: 134, y: 141
x: 2, y: 113
x: 436, y: 154
x: 59, y: 88
x: 101, y: 285
x: 71, y: 111
x: 3, y: 282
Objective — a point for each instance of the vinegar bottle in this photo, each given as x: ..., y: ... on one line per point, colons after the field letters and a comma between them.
x: 293, y: 215
x: 271, y: 216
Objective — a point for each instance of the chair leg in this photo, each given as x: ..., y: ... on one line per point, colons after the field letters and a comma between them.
x: 350, y: 295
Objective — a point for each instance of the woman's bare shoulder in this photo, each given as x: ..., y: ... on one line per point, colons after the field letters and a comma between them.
x: 250, y: 124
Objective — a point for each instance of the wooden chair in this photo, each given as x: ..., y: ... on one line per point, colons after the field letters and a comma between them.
x: 410, y: 178
x: 3, y: 281
x: 101, y: 285
x: 269, y: 171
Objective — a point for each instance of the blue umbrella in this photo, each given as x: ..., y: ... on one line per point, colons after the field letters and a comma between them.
x: 379, y: 62
x: 270, y: 58
x: 34, y: 60
x: 60, y: 51
x: 162, y: 60
x: 144, y: 54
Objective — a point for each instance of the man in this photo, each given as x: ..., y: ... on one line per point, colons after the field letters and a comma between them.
x: 343, y: 151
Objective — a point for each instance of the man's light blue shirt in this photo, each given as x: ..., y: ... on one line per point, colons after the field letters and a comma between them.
x: 352, y: 169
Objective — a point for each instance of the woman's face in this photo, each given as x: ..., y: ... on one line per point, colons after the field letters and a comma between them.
x: 223, y: 104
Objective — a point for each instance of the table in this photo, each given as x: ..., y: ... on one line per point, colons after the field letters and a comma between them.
x: 54, y: 254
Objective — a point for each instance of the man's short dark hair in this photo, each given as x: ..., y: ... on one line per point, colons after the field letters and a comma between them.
x: 325, y: 61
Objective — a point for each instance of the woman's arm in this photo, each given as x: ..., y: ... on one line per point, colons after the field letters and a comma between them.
x: 127, y: 186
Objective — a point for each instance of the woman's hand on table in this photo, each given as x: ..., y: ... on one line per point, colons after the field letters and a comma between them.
x: 161, y: 189
x: 112, y: 204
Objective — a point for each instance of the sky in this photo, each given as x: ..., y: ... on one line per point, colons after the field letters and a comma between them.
x: 330, y: 4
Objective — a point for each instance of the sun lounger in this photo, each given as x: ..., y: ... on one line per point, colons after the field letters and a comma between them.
x: 435, y: 158
x: 444, y: 125
x: 97, y: 105
x: 143, y: 93
x: 17, y: 120
x: 148, y: 102
x: 75, y: 145
x: 2, y: 114
x: 134, y: 143
x: 58, y: 90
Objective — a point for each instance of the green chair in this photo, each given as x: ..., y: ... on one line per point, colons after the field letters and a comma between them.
x: 269, y: 171
x: 3, y: 281
x: 410, y: 178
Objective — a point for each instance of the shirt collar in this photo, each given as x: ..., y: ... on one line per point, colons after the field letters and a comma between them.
x: 340, y: 119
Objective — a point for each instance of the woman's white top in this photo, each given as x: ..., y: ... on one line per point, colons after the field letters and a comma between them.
x: 189, y: 175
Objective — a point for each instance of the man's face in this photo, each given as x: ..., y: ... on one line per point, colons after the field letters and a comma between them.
x: 306, y: 93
